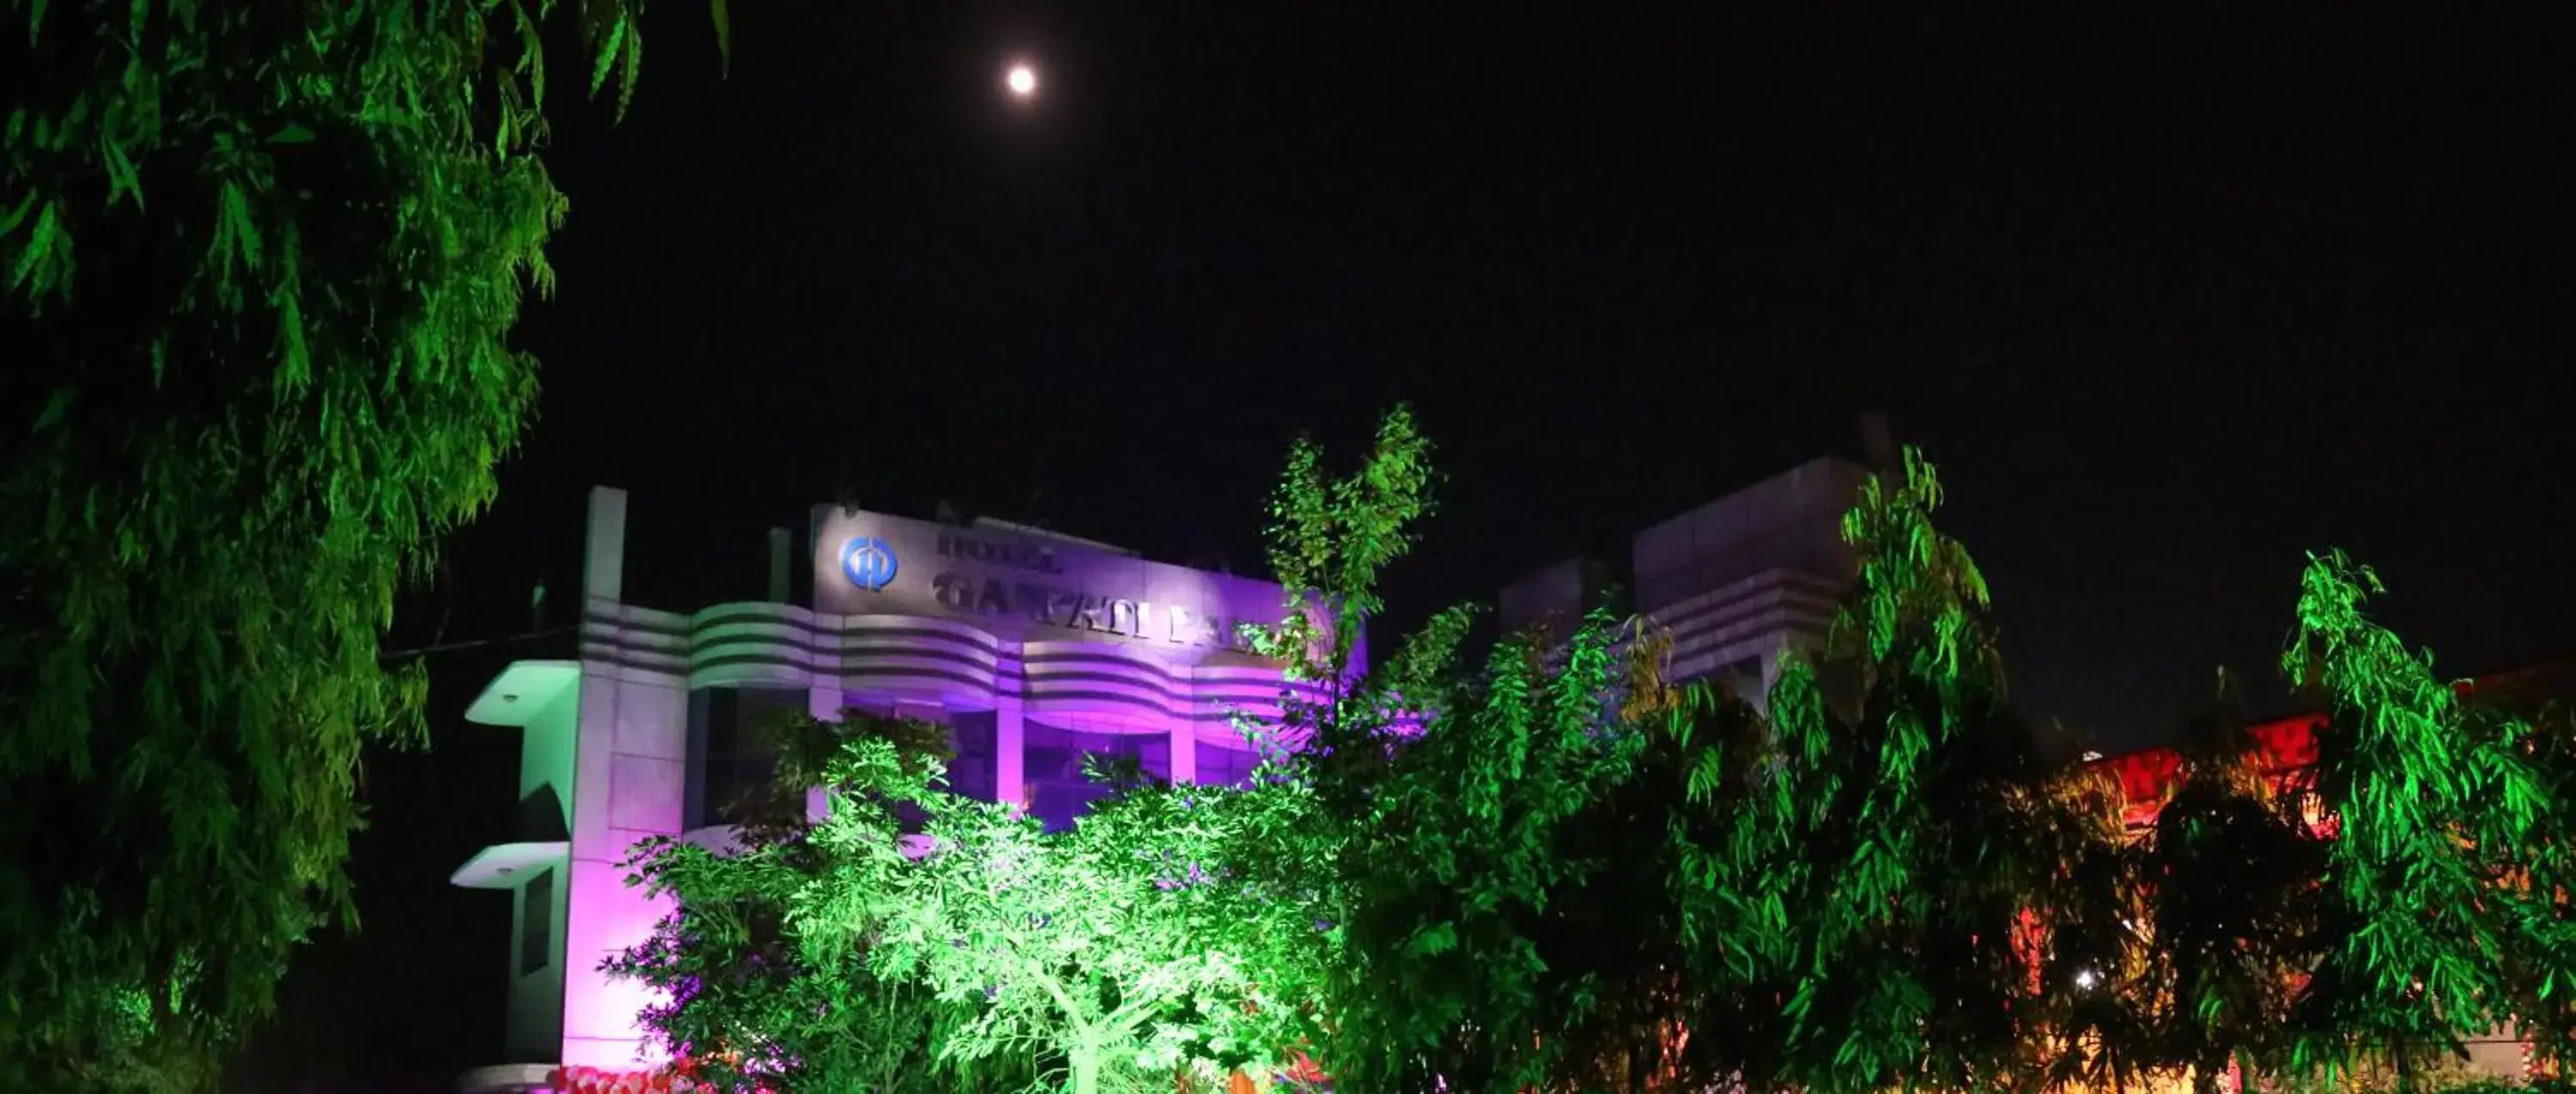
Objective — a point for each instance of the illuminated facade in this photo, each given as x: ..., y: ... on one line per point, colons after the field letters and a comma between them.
x: 1034, y: 649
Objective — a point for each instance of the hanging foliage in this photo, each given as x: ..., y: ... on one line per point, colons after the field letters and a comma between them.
x: 258, y: 265
x: 2445, y: 884
x: 1931, y: 888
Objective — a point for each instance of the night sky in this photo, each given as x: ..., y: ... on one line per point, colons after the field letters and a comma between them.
x: 2168, y: 305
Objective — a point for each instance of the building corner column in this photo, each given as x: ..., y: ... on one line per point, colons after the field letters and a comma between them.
x: 603, y: 556
x: 826, y: 704
x: 1185, y: 752
x: 1010, y: 755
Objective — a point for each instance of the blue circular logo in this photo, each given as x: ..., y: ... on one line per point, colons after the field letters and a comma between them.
x: 868, y: 563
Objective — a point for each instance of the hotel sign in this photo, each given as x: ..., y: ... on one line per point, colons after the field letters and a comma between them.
x: 1027, y: 591
x: 869, y: 563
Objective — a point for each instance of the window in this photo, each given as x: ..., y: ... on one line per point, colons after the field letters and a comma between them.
x: 726, y: 763
x: 1743, y: 676
x: 1227, y: 765
x: 972, y: 773
x: 970, y: 740
x: 1051, y: 764
x: 537, y: 922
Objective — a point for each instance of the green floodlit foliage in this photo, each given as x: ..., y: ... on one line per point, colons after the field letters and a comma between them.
x: 1495, y: 877
x: 1564, y: 885
x: 1089, y: 944
x: 1459, y: 872
x: 995, y: 955
x: 1908, y: 846
x: 1330, y: 540
x: 744, y: 1001
x: 257, y: 268
x: 1234, y: 874
x: 2445, y: 881
x: 1580, y: 878
x: 2541, y: 964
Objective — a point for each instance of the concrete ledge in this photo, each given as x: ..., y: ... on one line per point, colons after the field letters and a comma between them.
x: 521, y: 691
x: 504, y: 865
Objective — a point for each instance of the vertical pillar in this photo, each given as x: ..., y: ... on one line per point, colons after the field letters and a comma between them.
x: 824, y: 702
x: 779, y: 561
x: 603, y: 556
x: 633, y: 785
x: 1010, y: 752
x: 627, y: 736
x: 1185, y: 751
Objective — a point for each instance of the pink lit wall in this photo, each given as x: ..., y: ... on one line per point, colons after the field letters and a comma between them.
x: 630, y: 786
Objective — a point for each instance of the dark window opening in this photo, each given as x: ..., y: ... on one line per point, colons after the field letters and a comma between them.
x: 972, y: 771
x: 1744, y: 678
x: 1226, y: 765
x: 537, y: 922
x: 1051, y: 763
x: 972, y: 768
x: 729, y: 766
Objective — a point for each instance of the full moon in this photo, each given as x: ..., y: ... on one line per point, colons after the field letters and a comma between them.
x: 1022, y: 80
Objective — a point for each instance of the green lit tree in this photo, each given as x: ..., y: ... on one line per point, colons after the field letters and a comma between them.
x: 740, y: 1000
x: 1641, y: 976
x: 1935, y: 894
x: 1215, y: 860
x: 1492, y: 872
x: 1101, y: 947
x: 2445, y: 880
x: 1331, y: 540
x: 1579, y: 878
x: 2541, y: 976
x: 258, y: 263
x: 1332, y: 536
x: 1465, y: 942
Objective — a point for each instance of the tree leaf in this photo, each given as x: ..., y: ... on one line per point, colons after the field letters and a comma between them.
x: 724, y: 36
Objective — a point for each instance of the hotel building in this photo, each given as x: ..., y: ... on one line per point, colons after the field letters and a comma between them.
x: 1033, y: 648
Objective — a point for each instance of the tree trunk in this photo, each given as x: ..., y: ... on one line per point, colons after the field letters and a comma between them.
x: 1085, y: 1065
